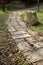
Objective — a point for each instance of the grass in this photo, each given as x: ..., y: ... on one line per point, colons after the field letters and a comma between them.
x: 39, y: 27
x: 4, y: 14
x: 3, y: 26
x: 22, y: 15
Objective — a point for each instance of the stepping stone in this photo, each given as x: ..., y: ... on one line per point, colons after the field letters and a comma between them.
x: 34, y: 42
x: 20, y: 36
x: 31, y: 40
x: 39, y: 43
x: 23, y: 46
x: 19, y: 40
x: 40, y: 52
x: 18, y: 17
x: 33, y: 56
x: 17, y: 26
x: 20, y: 32
x: 22, y: 23
x: 39, y: 63
x: 11, y: 29
x: 36, y: 57
x: 14, y: 23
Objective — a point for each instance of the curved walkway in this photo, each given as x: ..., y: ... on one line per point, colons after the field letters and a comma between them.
x: 30, y: 47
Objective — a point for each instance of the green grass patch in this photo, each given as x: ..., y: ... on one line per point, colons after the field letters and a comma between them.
x: 3, y: 15
x: 22, y: 16
x: 3, y: 26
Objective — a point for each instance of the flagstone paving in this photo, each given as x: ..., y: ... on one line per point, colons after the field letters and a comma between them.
x: 31, y: 48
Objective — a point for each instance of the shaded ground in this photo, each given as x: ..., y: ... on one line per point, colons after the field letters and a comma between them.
x: 9, y: 52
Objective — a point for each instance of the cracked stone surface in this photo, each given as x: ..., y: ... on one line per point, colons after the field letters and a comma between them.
x: 30, y: 47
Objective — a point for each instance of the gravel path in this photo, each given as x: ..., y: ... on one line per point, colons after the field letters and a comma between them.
x: 30, y: 47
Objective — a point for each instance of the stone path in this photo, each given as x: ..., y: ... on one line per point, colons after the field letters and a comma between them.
x: 30, y: 47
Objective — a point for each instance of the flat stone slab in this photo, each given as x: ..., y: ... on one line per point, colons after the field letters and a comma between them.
x: 20, y: 32
x: 20, y: 36
x: 36, y: 44
x: 11, y: 29
x: 23, y: 47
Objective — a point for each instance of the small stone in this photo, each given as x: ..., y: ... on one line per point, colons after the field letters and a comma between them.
x: 13, y: 60
x: 41, y: 38
x: 10, y: 55
x: 17, y: 50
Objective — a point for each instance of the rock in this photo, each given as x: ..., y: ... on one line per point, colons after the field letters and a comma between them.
x: 17, y: 50
x: 10, y: 55
x: 41, y: 38
x: 13, y: 60
x: 31, y: 18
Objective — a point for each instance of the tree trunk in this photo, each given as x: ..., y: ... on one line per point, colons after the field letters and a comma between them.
x: 3, y: 5
x: 38, y: 5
